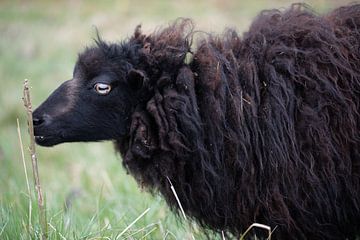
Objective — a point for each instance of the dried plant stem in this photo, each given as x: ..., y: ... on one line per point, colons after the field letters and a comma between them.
x: 26, y: 175
x: 181, y: 207
x: 222, y: 235
x: 257, y: 225
x: 42, y: 210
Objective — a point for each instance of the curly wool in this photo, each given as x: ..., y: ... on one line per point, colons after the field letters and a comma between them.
x: 259, y: 128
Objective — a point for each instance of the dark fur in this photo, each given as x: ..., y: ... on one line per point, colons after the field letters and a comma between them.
x: 263, y: 128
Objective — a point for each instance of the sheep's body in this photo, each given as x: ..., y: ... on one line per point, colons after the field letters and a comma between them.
x: 259, y: 129
x: 263, y: 128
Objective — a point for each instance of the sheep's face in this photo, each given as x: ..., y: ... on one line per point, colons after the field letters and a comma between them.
x: 95, y: 105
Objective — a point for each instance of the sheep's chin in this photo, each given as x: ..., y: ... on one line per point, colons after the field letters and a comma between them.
x: 48, y: 141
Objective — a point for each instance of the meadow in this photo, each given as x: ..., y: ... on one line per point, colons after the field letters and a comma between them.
x: 88, y: 193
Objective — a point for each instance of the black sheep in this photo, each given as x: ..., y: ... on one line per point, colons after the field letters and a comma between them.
x: 260, y: 128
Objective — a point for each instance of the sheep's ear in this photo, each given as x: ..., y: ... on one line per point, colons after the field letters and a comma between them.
x: 136, y: 79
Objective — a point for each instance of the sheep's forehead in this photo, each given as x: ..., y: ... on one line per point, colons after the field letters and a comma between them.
x: 90, y: 62
x: 94, y: 62
x: 91, y: 56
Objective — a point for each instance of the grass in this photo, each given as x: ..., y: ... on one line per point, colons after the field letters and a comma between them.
x: 88, y: 194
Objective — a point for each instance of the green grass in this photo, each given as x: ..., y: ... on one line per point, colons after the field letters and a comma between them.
x: 40, y: 41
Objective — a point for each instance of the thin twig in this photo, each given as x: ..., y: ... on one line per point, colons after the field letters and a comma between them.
x: 26, y: 175
x: 42, y: 212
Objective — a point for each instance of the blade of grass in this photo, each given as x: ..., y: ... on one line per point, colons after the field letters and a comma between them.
x: 3, y: 228
x: 148, y: 233
x: 141, y: 229
x: 56, y: 231
x: 42, y: 210
x: 129, y: 226
x: 87, y: 232
x: 169, y: 233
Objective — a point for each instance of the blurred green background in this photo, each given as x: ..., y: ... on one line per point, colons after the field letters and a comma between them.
x: 39, y: 40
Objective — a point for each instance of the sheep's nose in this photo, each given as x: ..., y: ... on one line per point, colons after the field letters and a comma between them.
x: 40, y: 119
x: 37, y: 121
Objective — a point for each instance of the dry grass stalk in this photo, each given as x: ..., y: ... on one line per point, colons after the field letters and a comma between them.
x: 257, y: 225
x: 177, y: 199
x: 26, y: 175
x: 222, y: 235
x: 42, y: 210
x: 181, y: 207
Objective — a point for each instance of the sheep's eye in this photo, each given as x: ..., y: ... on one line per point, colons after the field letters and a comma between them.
x: 102, y: 88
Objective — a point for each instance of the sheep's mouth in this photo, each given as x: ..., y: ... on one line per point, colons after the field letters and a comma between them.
x: 39, y: 138
x: 47, y: 141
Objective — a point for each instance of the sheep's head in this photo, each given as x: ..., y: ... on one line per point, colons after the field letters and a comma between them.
x: 97, y: 103
x: 109, y: 82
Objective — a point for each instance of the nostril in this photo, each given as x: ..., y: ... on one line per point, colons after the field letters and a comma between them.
x: 37, y: 121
